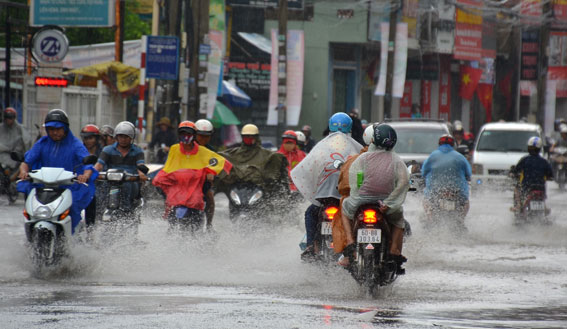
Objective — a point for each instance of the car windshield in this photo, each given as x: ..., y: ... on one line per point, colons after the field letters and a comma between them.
x: 504, y: 140
x: 417, y: 140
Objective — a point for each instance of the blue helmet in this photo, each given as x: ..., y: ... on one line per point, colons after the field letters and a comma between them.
x: 340, y: 122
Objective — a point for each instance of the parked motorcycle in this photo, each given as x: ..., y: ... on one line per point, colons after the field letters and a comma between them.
x: 119, y: 213
x: 372, y: 266
x: 559, y: 160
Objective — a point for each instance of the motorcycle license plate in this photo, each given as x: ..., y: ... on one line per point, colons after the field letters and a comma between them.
x: 326, y: 228
x: 369, y: 235
x: 447, y: 204
x: 537, y: 205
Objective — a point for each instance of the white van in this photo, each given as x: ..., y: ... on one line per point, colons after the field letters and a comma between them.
x: 499, y: 146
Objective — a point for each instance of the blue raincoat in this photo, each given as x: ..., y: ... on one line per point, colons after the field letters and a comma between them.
x: 446, y: 169
x: 68, y: 154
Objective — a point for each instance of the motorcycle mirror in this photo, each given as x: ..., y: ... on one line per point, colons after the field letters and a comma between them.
x: 337, y: 164
x: 90, y: 160
x: 17, y: 156
x: 143, y: 168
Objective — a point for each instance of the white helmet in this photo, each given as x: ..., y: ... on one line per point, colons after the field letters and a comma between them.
x: 300, y: 137
x: 535, y: 141
x: 204, y: 127
x: 368, y: 134
x: 125, y: 128
x: 563, y: 128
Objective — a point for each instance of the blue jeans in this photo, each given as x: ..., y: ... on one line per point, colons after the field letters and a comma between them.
x: 311, y: 223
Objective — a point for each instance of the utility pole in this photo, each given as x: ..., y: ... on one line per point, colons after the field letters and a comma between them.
x: 199, y: 36
x: 119, y: 33
x: 152, y: 82
x: 388, y: 99
x: 8, y: 59
x: 282, y: 68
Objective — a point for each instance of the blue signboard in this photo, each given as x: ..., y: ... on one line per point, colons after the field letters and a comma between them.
x: 162, y: 58
x: 72, y: 13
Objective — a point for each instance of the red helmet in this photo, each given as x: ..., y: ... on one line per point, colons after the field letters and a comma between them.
x: 289, y: 134
x: 90, y: 130
x: 187, y: 126
x: 447, y: 139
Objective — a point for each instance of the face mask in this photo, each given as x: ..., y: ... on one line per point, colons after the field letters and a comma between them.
x: 186, y: 139
x: 249, y: 140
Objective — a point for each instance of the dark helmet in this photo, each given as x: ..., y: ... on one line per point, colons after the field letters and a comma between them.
x: 90, y: 130
x: 57, y: 115
x: 107, y: 130
x: 385, y: 136
x: 447, y: 139
x: 10, y: 113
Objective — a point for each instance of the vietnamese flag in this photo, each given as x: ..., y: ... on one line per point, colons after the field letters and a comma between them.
x: 484, y: 93
x: 469, y: 80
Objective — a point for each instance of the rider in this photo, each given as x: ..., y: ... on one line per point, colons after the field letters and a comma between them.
x: 255, y: 164
x: 532, y: 171
x: 126, y: 155
x: 164, y: 138
x: 316, y: 177
x: 204, y: 132
x: 13, y: 138
x: 106, y: 135
x: 61, y: 149
x: 289, y: 150
x: 386, y: 182
x: 310, y: 142
x: 187, y: 168
x: 446, y: 170
x: 459, y: 136
x: 90, y: 135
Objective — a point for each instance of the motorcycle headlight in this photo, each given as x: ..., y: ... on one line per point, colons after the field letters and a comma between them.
x: 257, y: 196
x: 114, y: 176
x: 235, y: 198
x: 42, y: 212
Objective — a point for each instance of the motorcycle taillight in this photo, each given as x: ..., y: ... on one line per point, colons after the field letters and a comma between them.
x: 369, y: 216
x: 330, y: 212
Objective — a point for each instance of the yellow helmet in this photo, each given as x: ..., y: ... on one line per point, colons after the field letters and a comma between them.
x: 250, y: 129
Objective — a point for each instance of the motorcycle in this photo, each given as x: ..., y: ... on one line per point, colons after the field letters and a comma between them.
x: 119, y: 213
x: 447, y: 208
x: 48, y: 225
x: 559, y: 160
x: 324, y: 237
x: 185, y: 220
x: 8, y: 184
x: 533, y: 208
x: 245, y: 201
x: 372, y: 266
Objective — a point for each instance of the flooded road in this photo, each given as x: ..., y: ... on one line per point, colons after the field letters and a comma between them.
x: 496, y: 276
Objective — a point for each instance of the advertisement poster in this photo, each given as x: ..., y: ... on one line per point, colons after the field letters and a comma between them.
x: 468, y: 32
x: 294, y: 81
x: 214, y: 70
x: 98, y: 13
x: 400, y: 62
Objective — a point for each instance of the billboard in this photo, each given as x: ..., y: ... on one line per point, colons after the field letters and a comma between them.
x: 98, y: 13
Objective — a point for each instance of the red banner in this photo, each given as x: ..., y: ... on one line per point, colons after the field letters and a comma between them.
x: 426, y: 98
x: 468, y: 32
x: 469, y: 80
x: 560, y: 75
x: 484, y: 93
x: 445, y: 88
x: 560, y: 10
x: 406, y: 102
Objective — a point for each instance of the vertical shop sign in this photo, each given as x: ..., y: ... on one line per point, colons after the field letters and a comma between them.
x: 426, y: 98
x: 468, y: 31
x: 406, y: 102
x: 530, y: 55
x: 445, y: 88
x: 400, y: 62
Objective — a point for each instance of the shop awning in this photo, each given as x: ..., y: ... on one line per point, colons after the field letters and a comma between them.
x: 223, y: 116
x: 234, y: 96
x: 119, y: 75
x: 258, y: 40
